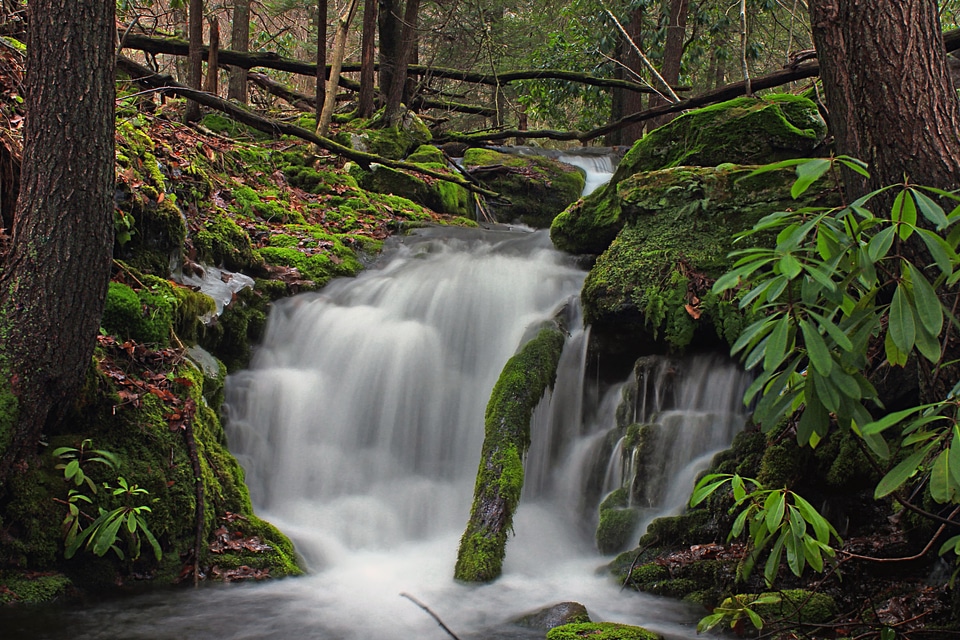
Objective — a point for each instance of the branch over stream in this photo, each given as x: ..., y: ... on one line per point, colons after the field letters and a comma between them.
x: 144, y: 76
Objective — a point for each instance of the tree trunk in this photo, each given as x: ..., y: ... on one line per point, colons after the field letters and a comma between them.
x: 195, y: 69
x: 239, y: 41
x: 339, y: 50
x: 213, y: 63
x: 321, y: 55
x: 367, y: 53
x: 887, y: 88
x: 54, y: 282
x: 389, y: 27
x: 632, y: 102
x: 672, y: 55
x: 408, y: 40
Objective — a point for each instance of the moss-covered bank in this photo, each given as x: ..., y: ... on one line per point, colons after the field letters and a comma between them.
x: 522, y: 383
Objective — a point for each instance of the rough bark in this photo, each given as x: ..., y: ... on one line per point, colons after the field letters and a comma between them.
x: 888, y: 90
x: 672, y: 55
x: 239, y: 41
x: 54, y: 282
x: 388, y: 22
x: 196, y: 54
x: 336, y: 63
x: 367, y: 58
x: 632, y: 102
x: 321, y: 68
x: 408, y: 41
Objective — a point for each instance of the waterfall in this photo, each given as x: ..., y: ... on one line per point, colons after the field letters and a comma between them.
x: 359, y: 425
x: 597, y: 167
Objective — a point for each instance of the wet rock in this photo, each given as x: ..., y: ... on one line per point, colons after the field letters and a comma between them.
x: 554, y: 616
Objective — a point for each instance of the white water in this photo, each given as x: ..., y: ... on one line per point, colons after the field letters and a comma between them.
x: 360, y: 424
x: 597, y: 168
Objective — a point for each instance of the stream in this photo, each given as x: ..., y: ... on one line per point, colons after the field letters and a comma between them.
x: 359, y: 424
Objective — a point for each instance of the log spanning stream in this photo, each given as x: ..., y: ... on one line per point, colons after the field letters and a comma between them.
x: 360, y: 424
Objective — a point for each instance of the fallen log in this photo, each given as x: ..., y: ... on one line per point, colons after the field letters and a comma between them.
x: 164, y: 83
x: 270, y: 60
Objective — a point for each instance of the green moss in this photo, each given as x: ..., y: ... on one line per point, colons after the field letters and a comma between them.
x: 743, y: 131
x: 127, y: 314
x: 250, y: 203
x: 229, y: 127
x: 538, y: 188
x: 241, y: 325
x: 9, y: 411
x: 600, y: 631
x: 616, y: 529
x: 519, y: 388
x: 388, y: 142
x: 654, y: 279
x: 439, y: 195
x: 618, y: 499
x: 427, y: 153
x: 319, y: 267
x: 223, y: 242
x: 33, y: 589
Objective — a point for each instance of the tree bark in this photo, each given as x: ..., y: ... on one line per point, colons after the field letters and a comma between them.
x: 367, y: 53
x: 888, y: 91
x: 388, y: 20
x: 672, y: 55
x: 632, y: 102
x: 239, y: 41
x: 54, y: 282
x: 321, y: 70
x: 339, y: 51
x: 408, y: 40
x: 195, y: 69
x: 213, y: 53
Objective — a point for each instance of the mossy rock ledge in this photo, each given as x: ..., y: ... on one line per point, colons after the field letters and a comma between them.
x: 601, y: 631
x: 522, y: 383
x: 537, y: 188
x: 654, y: 279
x: 743, y: 131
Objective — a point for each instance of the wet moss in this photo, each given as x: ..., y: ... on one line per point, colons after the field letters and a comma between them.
x: 616, y: 529
x: 249, y: 203
x: 427, y: 153
x: 743, y: 131
x: 20, y: 588
x: 224, y: 243
x: 521, y: 384
x: 439, y: 195
x: 601, y: 631
x: 797, y: 607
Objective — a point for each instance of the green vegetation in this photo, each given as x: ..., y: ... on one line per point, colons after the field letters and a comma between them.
x: 600, y: 631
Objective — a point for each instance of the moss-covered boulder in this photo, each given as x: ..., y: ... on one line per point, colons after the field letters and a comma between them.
x: 743, y: 130
x: 601, y: 631
x: 522, y: 383
x: 440, y: 195
x: 654, y: 280
x: 393, y: 142
x: 224, y: 243
x: 537, y: 188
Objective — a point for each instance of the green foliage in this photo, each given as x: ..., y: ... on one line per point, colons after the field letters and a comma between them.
x: 837, y: 281
x: 736, y: 608
x: 127, y: 520
x: 773, y: 516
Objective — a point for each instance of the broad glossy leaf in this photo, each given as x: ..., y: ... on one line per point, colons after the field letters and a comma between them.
x: 942, y: 487
x: 772, y: 566
x: 928, y: 304
x: 955, y: 455
x: 813, y: 420
x: 790, y: 266
x: 901, y: 323
x: 774, y: 506
x: 755, y: 331
x: 905, y: 212
x: 816, y: 348
x: 880, y: 244
x: 776, y: 349
x: 894, y: 355
x: 953, y: 544
x: 901, y: 473
x: 930, y: 209
x: 942, y: 251
x: 887, y: 421
x: 808, y: 173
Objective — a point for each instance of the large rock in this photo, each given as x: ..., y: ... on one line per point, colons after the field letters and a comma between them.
x: 538, y: 188
x: 743, y: 130
x: 554, y: 616
x: 680, y: 225
x: 389, y: 142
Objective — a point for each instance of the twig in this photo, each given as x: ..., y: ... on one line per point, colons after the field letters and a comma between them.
x: 431, y: 613
x: 633, y: 564
x: 743, y: 47
x: 673, y: 97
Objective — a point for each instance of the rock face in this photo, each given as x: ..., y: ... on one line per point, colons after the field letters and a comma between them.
x: 679, y: 226
x: 743, y: 130
x: 554, y: 616
x: 390, y: 142
x: 537, y: 187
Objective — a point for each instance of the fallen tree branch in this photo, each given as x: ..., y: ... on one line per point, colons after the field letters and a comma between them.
x: 270, y: 60
x: 148, y: 78
x: 431, y: 613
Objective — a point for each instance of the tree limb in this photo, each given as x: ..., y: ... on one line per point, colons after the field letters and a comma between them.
x: 148, y: 78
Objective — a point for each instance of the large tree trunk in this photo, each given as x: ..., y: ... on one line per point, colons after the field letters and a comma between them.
x: 213, y: 58
x: 892, y: 104
x: 336, y: 63
x: 672, y: 54
x: 408, y: 41
x: 632, y: 102
x: 321, y: 55
x: 54, y: 281
x: 887, y: 88
x: 367, y: 58
x: 195, y: 70
x: 388, y: 20
x: 239, y: 41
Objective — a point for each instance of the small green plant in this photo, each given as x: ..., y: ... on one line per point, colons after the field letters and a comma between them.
x: 127, y: 520
x: 777, y: 516
x: 735, y: 609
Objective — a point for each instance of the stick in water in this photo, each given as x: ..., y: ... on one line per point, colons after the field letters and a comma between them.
x: 432, y: 614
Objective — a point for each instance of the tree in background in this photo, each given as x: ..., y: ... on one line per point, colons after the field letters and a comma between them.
x: 195, y: 68
x: 54, y: 280
x: 239, y: 41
